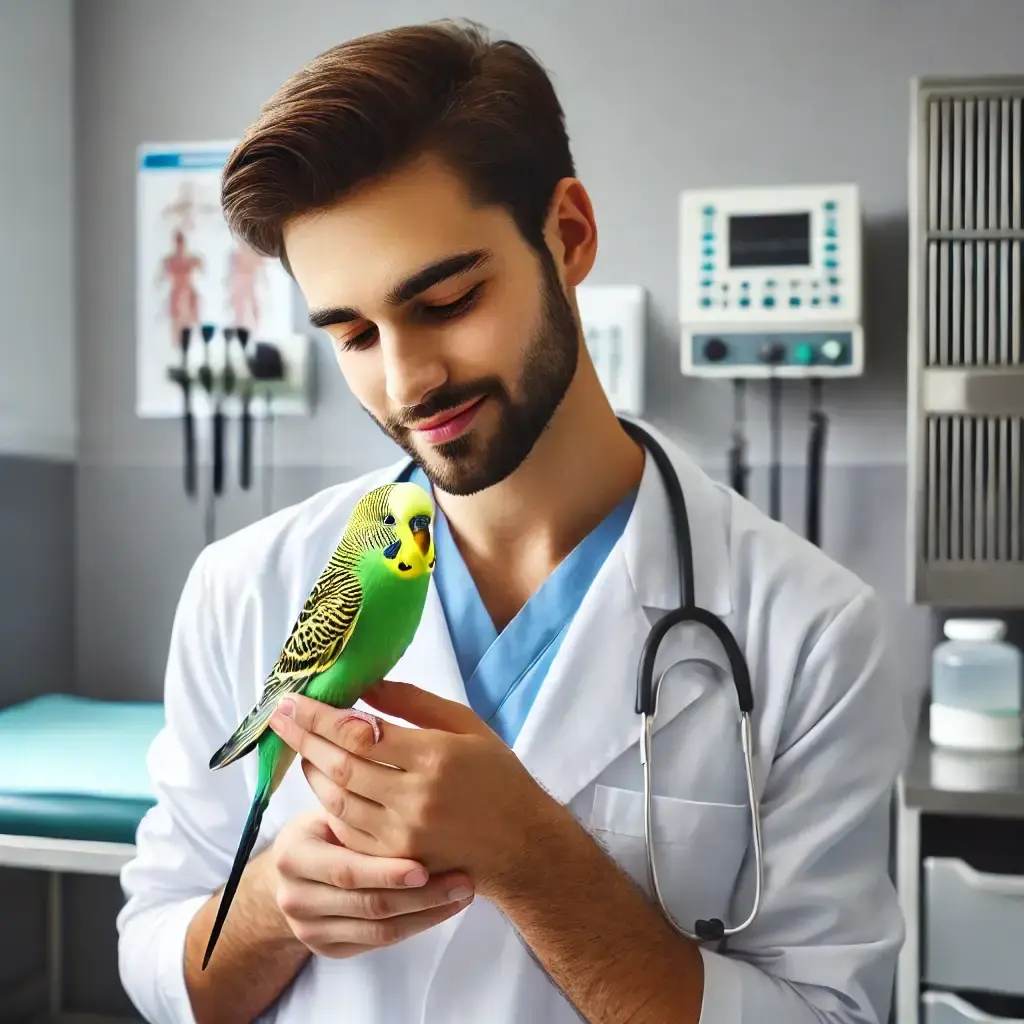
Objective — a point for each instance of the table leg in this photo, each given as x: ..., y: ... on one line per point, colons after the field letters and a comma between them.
x: 55, y: 944
x: 908, y: 884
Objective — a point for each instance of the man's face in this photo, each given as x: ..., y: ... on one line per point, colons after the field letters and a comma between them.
x: 449, y: 329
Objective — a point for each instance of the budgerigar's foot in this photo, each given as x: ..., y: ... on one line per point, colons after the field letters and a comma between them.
x: 366, y: 717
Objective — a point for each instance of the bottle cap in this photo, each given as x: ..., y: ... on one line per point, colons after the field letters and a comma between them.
x: 974, y: 629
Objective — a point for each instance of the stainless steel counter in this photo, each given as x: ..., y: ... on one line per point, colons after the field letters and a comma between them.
x: 957, y: 783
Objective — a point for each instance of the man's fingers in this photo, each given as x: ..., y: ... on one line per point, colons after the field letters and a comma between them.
x: 423, y: 708
x: 342, y: 767
x: 305, y: 900
x: 357, y: 841
x: 339, y: 936
x: 322, y: 861
x: 345, y: 805
x: 346, y: 728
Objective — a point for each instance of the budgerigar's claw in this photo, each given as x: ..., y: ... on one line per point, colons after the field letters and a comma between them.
x: 364, y: 716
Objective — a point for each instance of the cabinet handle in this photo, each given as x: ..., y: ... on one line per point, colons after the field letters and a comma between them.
x: 999, y: 885
x: 964, y: 1009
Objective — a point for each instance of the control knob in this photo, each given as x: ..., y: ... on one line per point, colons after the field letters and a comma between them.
x: 715, y: 350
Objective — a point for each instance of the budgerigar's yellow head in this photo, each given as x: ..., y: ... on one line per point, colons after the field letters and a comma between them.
x: 398, y: 520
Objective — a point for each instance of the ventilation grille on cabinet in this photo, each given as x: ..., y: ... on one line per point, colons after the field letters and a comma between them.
x: 974, y: 190
x: 966, y: 380
x: 974, y: 489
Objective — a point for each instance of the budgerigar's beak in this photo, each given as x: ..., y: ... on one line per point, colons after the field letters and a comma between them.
x: 422, y: 538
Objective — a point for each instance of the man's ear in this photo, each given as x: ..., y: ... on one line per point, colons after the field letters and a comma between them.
x: 571, y: 231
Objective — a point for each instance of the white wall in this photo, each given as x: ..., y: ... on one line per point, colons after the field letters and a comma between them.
x: 38, y: 403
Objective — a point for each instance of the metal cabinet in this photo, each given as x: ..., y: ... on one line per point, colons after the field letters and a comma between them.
x: 965, y: 391
x: 974, y: 927
x: 960, y: 878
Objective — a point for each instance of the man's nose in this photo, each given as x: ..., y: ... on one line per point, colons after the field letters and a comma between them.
x: 412, y: 368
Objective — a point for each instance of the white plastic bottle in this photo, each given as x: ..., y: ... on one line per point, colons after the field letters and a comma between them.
x: 977, y: 679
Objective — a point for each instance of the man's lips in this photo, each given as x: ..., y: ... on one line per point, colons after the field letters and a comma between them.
x: 444, y: 417
x: 448, y: 424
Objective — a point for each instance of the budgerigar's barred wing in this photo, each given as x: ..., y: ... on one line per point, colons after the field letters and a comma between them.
x: 322, y: 629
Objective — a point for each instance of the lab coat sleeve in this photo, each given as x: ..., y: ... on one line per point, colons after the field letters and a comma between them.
x: 185, y: 843
x: 825, y: 945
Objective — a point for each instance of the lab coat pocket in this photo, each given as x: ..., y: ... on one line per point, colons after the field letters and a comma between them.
x: 698, y: 848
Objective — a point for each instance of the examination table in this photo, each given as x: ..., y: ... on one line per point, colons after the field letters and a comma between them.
x: 73, y: 789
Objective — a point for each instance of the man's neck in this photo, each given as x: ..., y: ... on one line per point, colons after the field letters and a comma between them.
x: 513, y: 535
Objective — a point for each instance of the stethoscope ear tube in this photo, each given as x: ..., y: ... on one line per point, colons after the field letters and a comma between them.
x: 646, y: 692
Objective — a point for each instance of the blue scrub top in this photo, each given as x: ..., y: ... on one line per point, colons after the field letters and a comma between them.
x: 503, y: 672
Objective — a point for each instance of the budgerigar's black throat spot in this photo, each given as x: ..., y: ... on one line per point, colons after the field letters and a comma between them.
x: 402, y: 567
x: 391, y: 551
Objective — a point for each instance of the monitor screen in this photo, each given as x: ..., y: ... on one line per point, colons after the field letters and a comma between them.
x: 770, y: 240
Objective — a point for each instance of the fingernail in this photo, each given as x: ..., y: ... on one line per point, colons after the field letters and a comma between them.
x: 415, y: 877
x: 460, y: 893
x: 287, y: 707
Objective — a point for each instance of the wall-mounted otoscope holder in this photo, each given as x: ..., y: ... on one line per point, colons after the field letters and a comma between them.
x: 239, y: 378
x: 233, y: 373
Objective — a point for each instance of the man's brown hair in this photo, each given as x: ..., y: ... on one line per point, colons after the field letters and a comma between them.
x: 368, y: 106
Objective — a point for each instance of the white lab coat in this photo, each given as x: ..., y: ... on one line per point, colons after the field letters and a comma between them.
x: 830, y: 736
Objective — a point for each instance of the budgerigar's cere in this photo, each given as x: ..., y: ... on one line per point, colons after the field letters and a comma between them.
x: 357, y: 622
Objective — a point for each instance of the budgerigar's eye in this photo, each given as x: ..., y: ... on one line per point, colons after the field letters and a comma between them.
x: 389, y: 520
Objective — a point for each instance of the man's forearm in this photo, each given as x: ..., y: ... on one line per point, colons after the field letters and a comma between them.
x: 257, y: 955
x: 602, y: 942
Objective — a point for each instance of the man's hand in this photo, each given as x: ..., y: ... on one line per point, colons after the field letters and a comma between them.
x: 449, y: 794
x: 339, y: 903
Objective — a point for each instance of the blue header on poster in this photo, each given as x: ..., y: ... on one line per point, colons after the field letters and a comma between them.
x: 188, y: 160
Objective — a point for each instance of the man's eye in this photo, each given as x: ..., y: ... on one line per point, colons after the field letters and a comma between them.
x: 446, y: 311
x: 452, y: 309
x: 360, y: 341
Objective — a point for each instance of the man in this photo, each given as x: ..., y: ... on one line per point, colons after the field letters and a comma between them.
x: 485, y: 860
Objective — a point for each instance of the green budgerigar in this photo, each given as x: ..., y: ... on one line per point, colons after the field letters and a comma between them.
x: 357, y: 622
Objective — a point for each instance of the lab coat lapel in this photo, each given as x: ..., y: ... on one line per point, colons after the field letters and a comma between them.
x: 585, y: 716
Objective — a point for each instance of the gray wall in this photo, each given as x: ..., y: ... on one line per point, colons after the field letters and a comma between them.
x: 37, y: 379
x: 37, y: 400
x: 688, y: 93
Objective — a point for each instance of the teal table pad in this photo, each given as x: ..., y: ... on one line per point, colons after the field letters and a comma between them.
x: 75, y: 768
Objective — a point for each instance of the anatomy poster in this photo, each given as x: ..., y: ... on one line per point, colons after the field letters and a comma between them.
x: 192, y: 271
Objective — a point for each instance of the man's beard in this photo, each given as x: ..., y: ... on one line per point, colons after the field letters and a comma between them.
x: 468, y: 463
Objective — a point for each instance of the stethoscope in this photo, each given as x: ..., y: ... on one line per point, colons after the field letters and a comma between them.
x: 647, y: 690
x: 647, y: 693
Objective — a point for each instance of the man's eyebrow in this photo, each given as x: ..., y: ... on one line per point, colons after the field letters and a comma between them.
x: 417, y: 283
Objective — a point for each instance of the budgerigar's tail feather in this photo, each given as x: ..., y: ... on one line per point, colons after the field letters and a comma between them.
x: 252, y: 728
x: 245, y: 845
x: 235, y: 748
